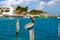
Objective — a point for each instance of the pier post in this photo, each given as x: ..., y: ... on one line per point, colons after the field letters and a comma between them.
x: 31, y: 34
x: 17, y: 29
x: 59, y: 30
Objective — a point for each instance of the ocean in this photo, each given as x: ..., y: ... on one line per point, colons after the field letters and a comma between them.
x: 44, y: 28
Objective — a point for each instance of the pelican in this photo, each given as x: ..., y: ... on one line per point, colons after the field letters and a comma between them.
x: 17, y: 27
x: 30, y: 25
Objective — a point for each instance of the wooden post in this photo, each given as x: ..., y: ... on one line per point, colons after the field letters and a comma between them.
x: 17, y: 29
x: 17, y: 26
x: 31, y: 34
x: 59, y: 30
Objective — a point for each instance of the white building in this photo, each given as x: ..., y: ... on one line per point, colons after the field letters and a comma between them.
x: 7, y: 10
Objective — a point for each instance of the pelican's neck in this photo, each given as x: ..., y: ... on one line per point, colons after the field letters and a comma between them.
x: 32, y: 18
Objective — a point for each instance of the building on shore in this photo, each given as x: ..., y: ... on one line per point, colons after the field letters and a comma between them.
x: 7, y: 10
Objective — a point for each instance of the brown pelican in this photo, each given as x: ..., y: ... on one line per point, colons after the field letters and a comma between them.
x: 30, y: 25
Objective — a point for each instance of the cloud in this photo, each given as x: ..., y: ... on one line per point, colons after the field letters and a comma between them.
x: 42, y: 3
x: 15, y: 2
x: 54, y: 2
x: 51, y: 3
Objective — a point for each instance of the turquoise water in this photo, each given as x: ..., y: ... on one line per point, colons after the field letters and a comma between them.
x: 44, y: 29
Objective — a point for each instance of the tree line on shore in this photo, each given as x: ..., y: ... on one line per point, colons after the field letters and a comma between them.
x: 20, y: 9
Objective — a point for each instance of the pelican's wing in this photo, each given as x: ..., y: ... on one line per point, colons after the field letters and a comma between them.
x: 29, y: 25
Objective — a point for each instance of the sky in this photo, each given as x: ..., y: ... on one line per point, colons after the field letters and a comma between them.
x: 50, y: 6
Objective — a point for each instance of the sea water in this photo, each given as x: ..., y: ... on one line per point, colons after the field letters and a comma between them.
x: 44, y: 29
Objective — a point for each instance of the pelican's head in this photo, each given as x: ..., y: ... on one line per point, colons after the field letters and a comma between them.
x: 32, y: 18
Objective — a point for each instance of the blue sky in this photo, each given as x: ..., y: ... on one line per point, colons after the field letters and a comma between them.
x: 50, y: 6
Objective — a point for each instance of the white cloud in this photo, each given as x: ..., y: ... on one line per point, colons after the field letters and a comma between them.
x: 51, y: 3
x: 16, y: 2
x: 42, y: 3
x: 54, y: 2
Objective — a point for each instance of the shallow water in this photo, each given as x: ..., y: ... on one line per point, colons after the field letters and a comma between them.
x: 44, y: 29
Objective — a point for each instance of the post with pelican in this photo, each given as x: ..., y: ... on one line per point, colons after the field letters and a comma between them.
x: 29, y: 27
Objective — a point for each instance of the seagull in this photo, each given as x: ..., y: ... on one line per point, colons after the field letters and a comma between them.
x: 30, y: 25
